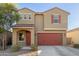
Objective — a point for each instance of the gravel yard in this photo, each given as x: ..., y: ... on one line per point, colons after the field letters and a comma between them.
x: 22, y: 52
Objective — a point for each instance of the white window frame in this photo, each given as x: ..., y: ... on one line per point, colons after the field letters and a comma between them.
x: 53, y: 18
x: 18, y: 37
x: 22, y: 15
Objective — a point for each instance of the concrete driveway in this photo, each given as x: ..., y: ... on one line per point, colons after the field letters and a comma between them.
x: 57, y: 51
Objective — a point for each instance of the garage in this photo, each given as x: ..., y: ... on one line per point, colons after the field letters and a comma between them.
x: 49, y: 38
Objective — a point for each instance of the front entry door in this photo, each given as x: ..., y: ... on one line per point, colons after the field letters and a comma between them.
x: 28, y: 38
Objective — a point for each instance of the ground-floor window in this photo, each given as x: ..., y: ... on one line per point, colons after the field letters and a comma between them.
x: 21, y: 36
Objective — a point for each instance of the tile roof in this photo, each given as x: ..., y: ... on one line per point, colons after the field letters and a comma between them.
x: 23, y: 25
x: 75, y: 29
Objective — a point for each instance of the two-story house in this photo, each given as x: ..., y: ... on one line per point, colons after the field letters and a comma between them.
x: 41, y: 28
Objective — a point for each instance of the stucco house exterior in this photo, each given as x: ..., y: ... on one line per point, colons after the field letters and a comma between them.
x: 41, y: 28
x: 73, y: 36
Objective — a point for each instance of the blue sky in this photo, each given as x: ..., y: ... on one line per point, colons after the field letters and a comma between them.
x: 72, y: 8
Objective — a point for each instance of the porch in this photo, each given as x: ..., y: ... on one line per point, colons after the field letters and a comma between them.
x: 23, y: 36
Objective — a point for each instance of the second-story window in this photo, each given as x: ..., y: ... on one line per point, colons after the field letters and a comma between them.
x: 26, y: 16
x: 55, y: 18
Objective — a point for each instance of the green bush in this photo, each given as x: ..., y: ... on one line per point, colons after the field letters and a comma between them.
x: 1, y: 30
x: 15, y: 48
x: 34, y: 47
x: 76, y: 46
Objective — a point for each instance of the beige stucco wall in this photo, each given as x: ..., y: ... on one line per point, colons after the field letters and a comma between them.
x: 26, y: 21
x: 47, y: 19
x: 74, y: 35
x: 39, y: 22
x: 53, y: 31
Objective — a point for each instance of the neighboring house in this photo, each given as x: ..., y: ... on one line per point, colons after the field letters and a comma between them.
x: 73, y: 36
x: 41, y: 28
x: 8, y: 39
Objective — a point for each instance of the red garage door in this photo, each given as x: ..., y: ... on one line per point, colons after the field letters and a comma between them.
x: 49, y: 38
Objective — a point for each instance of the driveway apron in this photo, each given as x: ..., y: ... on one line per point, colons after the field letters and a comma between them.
x: 57, y: 51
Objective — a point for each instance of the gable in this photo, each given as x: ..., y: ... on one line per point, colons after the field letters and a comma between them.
x: 24, y: 13
x: 25, y: 10
x: 57, y: 10
x: 49, y: 19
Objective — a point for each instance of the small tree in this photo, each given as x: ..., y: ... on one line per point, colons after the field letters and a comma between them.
x: 8, y: 16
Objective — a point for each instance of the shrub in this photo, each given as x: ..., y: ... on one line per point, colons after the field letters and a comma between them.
x: 34, y: 47
x: 2, y: 30
x: 15, y: 48
x: 76, y: 46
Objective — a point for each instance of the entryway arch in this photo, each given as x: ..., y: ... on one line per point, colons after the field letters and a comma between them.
x: 15, y: 37
x: 24, y: 37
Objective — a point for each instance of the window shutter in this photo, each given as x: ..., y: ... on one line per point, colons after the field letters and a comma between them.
x: 59, y: 18
x: 51, y: 18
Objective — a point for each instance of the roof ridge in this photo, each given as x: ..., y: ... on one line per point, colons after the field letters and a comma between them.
x: 44, y: 11
x: 28, y: 9
x: 56, y: 8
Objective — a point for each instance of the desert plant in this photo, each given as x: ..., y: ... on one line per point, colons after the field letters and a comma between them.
x: 15, y: 48
x: 34, y: 47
